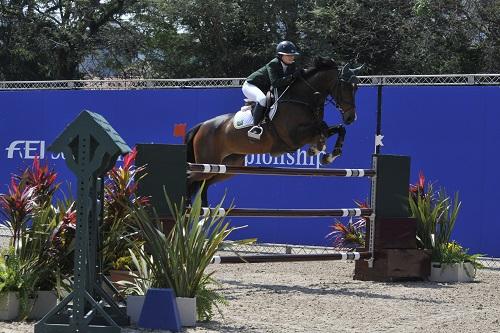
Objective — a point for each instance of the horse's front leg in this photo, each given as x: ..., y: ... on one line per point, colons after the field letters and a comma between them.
x: 320, y: 145
x: 337, y: 149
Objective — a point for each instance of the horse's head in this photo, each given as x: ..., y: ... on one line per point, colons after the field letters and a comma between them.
x: 343, y: 91
x: 340, y: 84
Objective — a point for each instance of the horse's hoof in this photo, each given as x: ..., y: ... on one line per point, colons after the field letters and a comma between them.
x: 326, y: 159
x: 312, y: 151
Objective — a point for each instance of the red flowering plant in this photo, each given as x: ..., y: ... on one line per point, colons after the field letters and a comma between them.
x: 16, y: 207
x: 42, y: 180
x: 120, y: 193
x: 352, y: 235
x: 31, y: 218
x: 62, y: 238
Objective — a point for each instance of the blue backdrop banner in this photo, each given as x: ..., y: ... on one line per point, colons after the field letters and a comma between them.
x: 449, y: 132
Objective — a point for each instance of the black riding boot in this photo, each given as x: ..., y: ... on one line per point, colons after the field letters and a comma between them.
x: 258, y: 114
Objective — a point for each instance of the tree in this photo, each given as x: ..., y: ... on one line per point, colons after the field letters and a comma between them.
x: 49, y: 39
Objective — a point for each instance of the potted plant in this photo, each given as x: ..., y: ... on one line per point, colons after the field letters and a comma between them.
x: 436, y: 214
x: 178, y: 260
x: 455, y: 264
x: 136, y: 287
x: 19, y: 279
x: 11, y: 284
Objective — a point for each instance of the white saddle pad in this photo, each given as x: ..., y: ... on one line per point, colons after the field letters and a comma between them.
x: 243, y: 118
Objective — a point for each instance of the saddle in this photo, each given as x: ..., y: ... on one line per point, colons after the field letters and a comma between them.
x: 243, y: 118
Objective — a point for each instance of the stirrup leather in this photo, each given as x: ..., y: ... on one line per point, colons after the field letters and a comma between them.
x: 255, y: 132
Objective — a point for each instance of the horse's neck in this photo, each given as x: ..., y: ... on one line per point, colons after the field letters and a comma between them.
x: 308, y: 88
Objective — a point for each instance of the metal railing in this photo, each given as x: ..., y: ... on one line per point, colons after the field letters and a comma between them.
x: 269, y: 248
x: 134, y: 84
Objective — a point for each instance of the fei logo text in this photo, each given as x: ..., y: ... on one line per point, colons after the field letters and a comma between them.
x: 28, y: 149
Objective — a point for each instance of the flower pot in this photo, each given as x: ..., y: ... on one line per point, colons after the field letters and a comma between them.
x: 187, y: 310
x: 118, y: 275
x: 9, y: 305
x: 459, y: 272
x: 134, y: 307
x: 42, y: 303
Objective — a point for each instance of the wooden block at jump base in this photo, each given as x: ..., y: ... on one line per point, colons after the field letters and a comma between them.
x: 396, y: 233
x: 165, y: 172
x: 395, y: 265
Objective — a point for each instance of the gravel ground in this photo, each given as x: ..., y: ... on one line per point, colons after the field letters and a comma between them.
x: 323, y: 297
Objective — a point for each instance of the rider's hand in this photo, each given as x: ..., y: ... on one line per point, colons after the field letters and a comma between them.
x: 298, y: 73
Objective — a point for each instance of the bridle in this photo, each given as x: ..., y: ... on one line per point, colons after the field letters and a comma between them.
x: 335, y: 89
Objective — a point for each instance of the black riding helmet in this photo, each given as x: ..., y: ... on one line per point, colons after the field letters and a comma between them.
x: 286, y: 48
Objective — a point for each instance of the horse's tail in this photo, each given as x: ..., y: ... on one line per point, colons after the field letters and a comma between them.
x: 192, y: 186
x: 188, y: 141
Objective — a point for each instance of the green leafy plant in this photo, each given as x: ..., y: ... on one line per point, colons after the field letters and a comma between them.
x: 140, y: 272
x: 453, y: 253
x: 19, y: 275
x: 178, y: 260
x: 436, y: 214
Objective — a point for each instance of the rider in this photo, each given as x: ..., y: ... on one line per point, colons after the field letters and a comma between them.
x: 278, y: 73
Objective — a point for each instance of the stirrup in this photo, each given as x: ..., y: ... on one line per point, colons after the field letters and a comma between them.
x: 255, y: 132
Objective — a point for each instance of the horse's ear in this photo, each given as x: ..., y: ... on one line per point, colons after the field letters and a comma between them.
x: 357, y: 69
x: 346, y: 73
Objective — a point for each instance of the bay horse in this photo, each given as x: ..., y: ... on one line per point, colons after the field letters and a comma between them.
x: 299, y: 121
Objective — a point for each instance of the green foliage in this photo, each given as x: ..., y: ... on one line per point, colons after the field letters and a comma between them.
x: 20, y: 275
x: 217, y: 38
x: 178, y: 260
x: 436, y: 214
x: 123, y: 263
x: 453, y: 253
x: 207, y: 298
x: 141, y: 273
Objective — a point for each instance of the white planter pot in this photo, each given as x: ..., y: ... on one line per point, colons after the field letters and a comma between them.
x: 461, y: 272
x: 187, y: 310
x: 42, y: 304
x: 9, y: 305
x: 134, y: 307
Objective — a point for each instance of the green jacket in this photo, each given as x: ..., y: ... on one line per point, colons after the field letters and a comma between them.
x: 272, y: 75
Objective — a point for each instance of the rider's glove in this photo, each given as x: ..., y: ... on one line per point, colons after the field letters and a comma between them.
x: 298, y: 73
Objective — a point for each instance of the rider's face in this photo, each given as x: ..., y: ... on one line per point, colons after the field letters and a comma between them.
x: 288, y: 59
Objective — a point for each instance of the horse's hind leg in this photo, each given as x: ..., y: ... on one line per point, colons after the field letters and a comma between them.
x: 339, y: 143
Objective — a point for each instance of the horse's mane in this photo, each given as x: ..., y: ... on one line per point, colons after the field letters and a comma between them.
x: 318, y: 64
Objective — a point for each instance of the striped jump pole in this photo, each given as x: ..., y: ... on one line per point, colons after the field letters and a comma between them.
x: 289, y: 257
x: 271, y: 212
x: 250, y: 170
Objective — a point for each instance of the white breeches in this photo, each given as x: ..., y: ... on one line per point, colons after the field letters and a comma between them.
x: 253, y: 93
